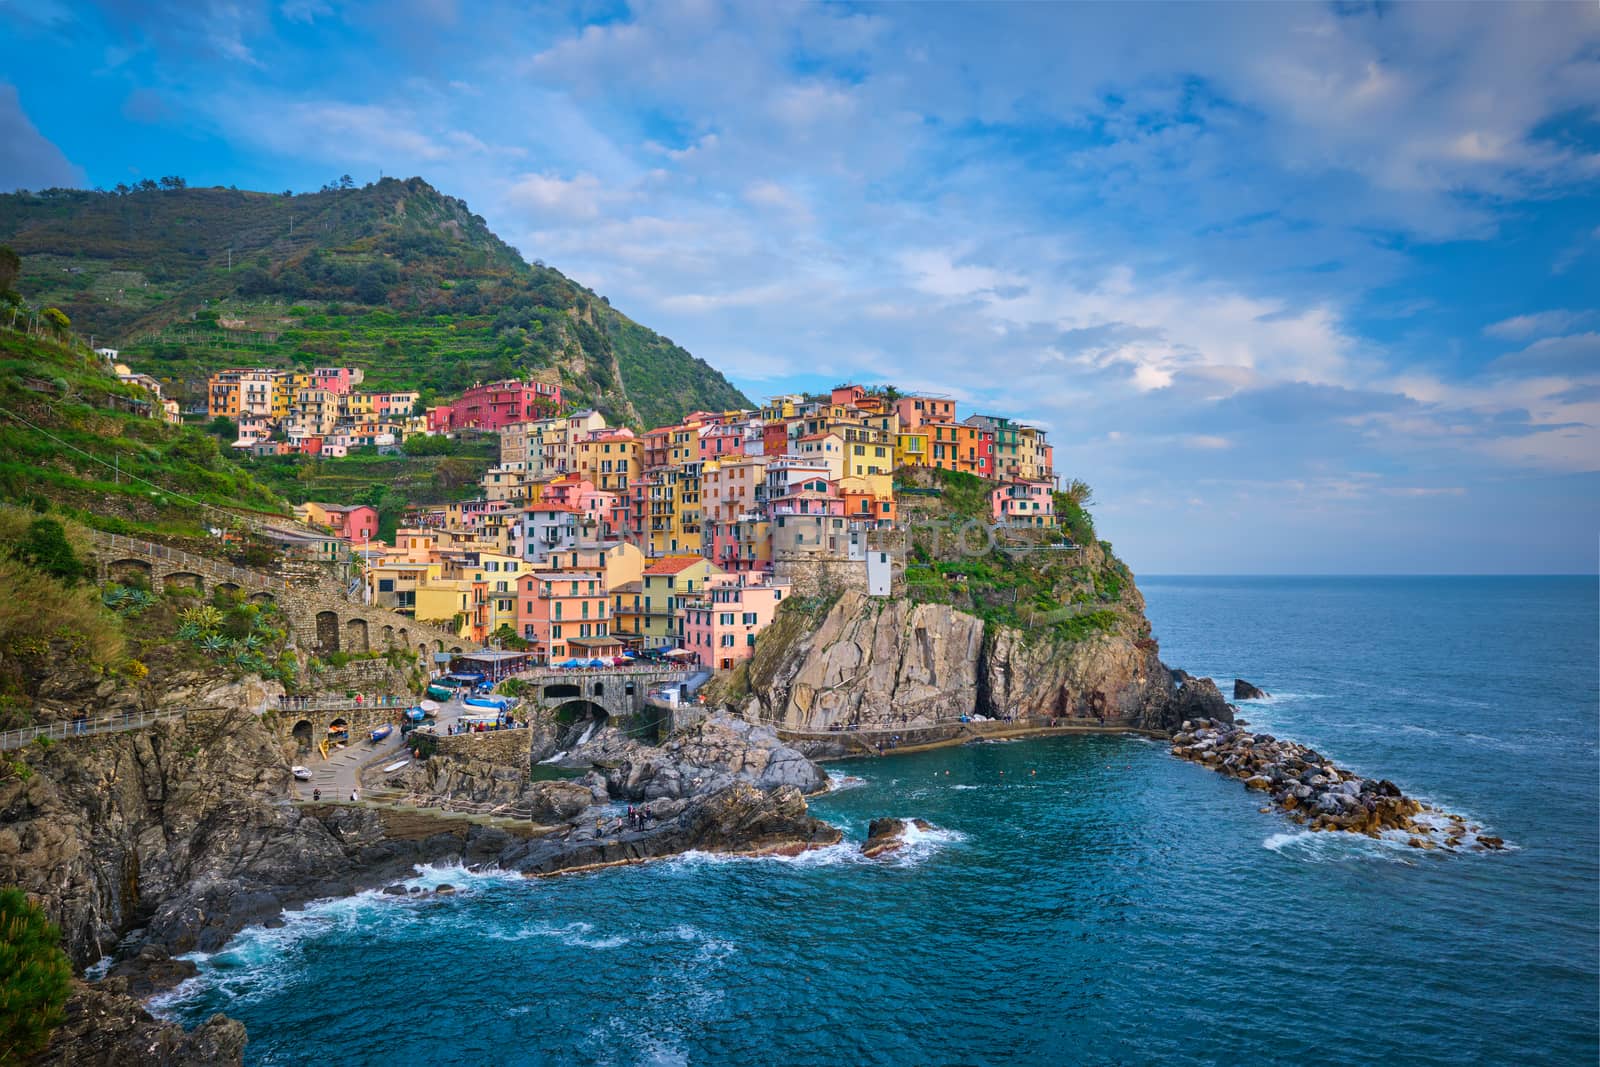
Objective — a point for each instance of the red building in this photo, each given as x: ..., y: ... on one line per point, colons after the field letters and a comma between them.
x: 496, y: 406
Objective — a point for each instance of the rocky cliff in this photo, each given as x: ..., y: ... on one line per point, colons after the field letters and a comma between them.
x: 894, y: 662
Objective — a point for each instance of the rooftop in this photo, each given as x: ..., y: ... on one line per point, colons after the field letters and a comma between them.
x: 673, y: 564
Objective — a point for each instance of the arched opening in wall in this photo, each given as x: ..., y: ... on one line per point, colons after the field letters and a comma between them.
x: 261, y: 598
x: 388, y: 637
x: 627, y: 690
x: 599, y: 689
x: 456, y: 649
x: 339, y: 730
x: 184, y: 580
x: 229, y: 589
x: 327, y: 632
x: 355, y: 635
x: 579, y: 721
x: 561, y: 690
x: 438, y: 646
x: 303, y: 737
x: 129, y: 572
x: 404, y: 637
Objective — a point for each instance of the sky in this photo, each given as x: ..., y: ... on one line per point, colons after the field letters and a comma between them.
x: 1297, y: 288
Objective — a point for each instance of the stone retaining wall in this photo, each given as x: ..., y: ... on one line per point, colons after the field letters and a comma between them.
x: 511, y: 748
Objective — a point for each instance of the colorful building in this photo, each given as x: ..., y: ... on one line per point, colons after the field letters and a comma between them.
x: 722, y: 623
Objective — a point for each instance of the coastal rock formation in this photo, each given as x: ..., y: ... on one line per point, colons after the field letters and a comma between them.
x: 894, y: 663
x: 888, y: 835
x: 106, y: 1027
x: 1243, y: 690
x: 710, y: 757
x: 739, y: 820
x: 1314, y: 791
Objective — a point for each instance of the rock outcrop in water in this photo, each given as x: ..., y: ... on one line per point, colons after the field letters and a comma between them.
x: 1312, y: 790
x: 895, y: 663
x: 889, y: 835
x: 1243, y: 690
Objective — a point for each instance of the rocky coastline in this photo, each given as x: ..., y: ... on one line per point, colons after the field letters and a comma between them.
x: 1310, y: 789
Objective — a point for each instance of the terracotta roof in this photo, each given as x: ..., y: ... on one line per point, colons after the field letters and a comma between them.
x: 673, y: 564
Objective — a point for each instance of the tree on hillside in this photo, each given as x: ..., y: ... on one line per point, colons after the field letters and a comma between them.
x: 35, y: 977
x: 1079, y: 493
x: 58, y: 320
x: 10, y: 269
x: 346, y: 182
x: 172, y: 181
x: 45, y: 548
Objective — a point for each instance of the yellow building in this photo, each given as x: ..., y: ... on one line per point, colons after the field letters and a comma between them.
x: 666, y: 584
x: 911, y: 449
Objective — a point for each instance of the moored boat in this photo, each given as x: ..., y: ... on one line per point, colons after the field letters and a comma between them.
x: 382, y: 732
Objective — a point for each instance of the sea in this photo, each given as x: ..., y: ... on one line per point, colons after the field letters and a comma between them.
x: 1080, y: 900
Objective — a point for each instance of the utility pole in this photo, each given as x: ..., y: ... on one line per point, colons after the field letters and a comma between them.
x: 230, y: 258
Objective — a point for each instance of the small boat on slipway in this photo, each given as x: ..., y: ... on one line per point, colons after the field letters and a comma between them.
x: 382, y: 732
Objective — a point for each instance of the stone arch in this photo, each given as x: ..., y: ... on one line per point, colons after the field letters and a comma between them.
x: 579, y: 719
x: 355, y: 636
x: 404, y: 636
x: 226, y: 587
x: 599, y: 689
x: 184, y: 580
x: 261, y: 598
x: 561, y: 690
x: 302, y: 734
x: 388, y: 636
x: 438, y: 646
x: 327, y: 631
x: 130, y: 572
x: 456, y: 649
x: 341, y: 723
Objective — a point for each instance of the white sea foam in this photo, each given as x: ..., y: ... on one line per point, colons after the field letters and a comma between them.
x: 963, y: 786
x: 839, y: 783
x: 573, y: 935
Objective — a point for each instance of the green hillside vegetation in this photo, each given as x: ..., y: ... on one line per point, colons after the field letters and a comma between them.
x: 394, y: 277
x: 75, y: 439
x: 1065, y: 594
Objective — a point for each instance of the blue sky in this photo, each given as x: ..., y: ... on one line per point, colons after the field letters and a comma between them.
x: 1296, y: 288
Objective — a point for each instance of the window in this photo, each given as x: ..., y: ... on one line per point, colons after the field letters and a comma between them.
x: 555, y: 631
x: 727, y: 641
x: 385, y: 585
x: 749, y: 618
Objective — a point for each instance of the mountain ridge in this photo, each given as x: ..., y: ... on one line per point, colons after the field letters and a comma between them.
x: 395, y: 277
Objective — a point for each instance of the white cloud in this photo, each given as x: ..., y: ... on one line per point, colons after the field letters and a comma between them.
x: 27, y: 159
x: 1539, y: 324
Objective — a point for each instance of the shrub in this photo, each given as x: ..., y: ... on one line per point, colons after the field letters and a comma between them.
x: 35, y: 977
x: 45, y: 548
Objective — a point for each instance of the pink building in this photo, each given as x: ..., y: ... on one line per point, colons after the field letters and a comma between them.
x: 1024, y: 504
x: 917, y: 411
x: 353, y: 522
x: 566, y: 613
x: 722, y: 623
x: 336, y: 380
x: 496, y: 406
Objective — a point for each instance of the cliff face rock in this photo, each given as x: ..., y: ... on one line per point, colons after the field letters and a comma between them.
x: 107, y: 1028
x: 105, y: 830
x: 870, y: 656
x: 891, y: 662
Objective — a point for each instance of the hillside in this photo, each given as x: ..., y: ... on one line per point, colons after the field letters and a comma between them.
x: 75, y: 439
x: 394, y: 277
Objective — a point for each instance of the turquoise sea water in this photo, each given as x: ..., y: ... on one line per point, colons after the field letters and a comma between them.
x: 1084, y: 901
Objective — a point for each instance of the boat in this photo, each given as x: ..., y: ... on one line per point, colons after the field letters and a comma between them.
x: 415, y: 714
x: 429, y: 708
x: 498, y: 703
x: 382, y: 732
x: 439, y: 692
x: 302, y: 774
x: 395, y: 766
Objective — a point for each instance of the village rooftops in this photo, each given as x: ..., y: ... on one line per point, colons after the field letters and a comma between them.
x: 673, y: 564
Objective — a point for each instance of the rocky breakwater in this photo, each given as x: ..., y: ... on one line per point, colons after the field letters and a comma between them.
x: 1312, y: 790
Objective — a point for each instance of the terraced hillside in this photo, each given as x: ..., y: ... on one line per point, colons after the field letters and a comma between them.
x: 394, y: 277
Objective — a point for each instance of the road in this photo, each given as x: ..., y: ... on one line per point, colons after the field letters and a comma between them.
x: 340, y: 774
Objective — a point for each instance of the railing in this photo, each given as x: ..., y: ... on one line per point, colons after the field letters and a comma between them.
x: 591, y: 672
x: 366, y: 703
x: 178, y: 557
x: 61, y: 731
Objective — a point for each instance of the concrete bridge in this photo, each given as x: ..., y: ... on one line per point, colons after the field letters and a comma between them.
x: 321, y: 617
